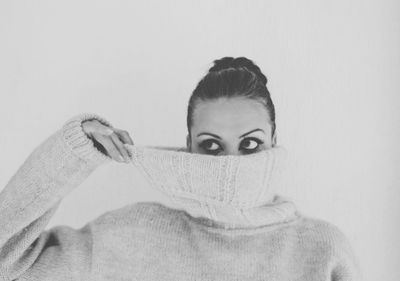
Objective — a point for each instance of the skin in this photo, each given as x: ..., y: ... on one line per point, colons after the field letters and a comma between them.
x: 225, y: 126
x: 111, y: 139
x: 227, y: 119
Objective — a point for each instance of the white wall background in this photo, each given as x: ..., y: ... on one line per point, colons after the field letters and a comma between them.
x: 333, y: 70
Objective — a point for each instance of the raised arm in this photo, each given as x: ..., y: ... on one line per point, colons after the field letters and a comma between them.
x: 32, y: 195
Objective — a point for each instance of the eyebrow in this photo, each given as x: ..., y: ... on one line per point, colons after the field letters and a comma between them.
x: 218, y: 137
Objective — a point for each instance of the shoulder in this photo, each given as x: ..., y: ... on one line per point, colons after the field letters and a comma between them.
x: 323, y: 241
x: 318, y: 226
x: 324, y: 234
x: 329, y: 237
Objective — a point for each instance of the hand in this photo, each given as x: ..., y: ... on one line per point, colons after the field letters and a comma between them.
x: 108, y: 140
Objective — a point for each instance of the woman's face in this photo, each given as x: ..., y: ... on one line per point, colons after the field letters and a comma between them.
x: 230, y: 126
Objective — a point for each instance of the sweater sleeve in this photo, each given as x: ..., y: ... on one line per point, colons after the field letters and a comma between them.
x: 32, y: 195
x: 345, y: 264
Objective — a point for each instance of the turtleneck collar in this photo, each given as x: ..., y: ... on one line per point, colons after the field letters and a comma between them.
x: 229, y: 191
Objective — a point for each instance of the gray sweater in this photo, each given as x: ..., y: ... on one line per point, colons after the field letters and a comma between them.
x: 147, y: 240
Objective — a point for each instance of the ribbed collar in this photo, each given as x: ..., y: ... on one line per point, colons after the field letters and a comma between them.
x: 229, y: 191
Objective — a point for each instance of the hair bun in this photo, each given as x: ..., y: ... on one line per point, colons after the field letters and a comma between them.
x: 236, y: 63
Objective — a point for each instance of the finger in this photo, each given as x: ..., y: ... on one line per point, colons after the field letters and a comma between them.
x: 120, y: 146
x: 110, y: 147
x: 124, y: 136
x: 105, y: 130
x: 95, y: 126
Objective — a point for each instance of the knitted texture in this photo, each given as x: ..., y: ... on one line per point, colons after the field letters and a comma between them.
x: 230, y: 190
x: 147, y: 240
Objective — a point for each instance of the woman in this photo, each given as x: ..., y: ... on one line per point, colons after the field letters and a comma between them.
x: 228, y: 222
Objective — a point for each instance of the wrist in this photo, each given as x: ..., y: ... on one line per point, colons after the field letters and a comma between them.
x: 80, y: 142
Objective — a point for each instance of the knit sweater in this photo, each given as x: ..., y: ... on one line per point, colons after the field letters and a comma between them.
x: 148, y: 240
x: 229, y: 191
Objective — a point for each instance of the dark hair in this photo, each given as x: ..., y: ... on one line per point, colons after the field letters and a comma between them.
x: 232, y: 77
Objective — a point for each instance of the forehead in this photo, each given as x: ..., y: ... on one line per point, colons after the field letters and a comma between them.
x: 234, y: 114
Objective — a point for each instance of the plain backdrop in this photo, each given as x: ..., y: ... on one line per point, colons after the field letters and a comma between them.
x: 333, y: 70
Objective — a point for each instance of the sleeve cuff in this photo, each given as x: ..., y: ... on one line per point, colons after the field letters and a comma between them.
x: 78, y: 140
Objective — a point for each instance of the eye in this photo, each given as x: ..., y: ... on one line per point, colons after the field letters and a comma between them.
x: 210, y: 145
x: 250, y: 144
